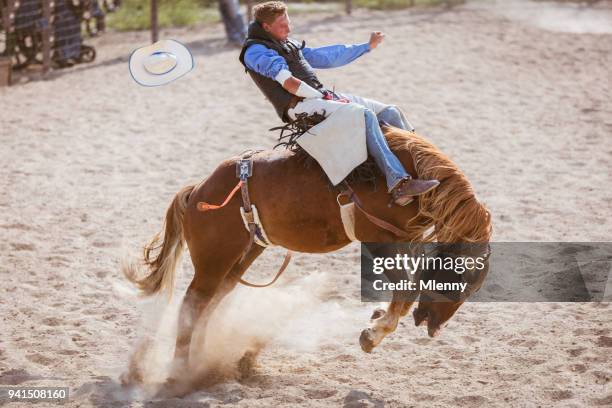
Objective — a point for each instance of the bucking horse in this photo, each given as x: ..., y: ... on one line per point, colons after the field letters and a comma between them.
x: 300, y: 212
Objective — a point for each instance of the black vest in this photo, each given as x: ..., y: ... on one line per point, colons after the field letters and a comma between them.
x: 299, y: 67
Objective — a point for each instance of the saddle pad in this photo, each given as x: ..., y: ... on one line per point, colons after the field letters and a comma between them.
x: 338, y: 143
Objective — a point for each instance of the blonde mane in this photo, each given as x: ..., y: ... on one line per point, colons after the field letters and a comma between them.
x: 452, y: 208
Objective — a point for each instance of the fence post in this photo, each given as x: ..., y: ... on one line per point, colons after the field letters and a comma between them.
x: 8, y: 15
x: 249, y: 11
x: 46, y: 35
x: 349, y: 6
x: 154, y: 28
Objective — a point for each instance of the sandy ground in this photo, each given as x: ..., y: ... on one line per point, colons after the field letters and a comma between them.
x: 90, y: 161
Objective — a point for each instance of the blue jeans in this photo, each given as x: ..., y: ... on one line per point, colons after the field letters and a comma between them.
x: 377, y: 145
x: 232, y: 19
x: 378, y: 148
x: 394, y: 116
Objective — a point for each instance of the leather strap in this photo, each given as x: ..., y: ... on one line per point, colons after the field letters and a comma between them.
x: 244, y: 173
x: 278, y: 274
x: 352, y: 196
x: 248, y: 214
x: 246, y: 200
x: 204, y: 206
x: 252, y: 227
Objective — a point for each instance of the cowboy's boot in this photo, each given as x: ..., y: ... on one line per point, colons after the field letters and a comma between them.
x: 408, y: 188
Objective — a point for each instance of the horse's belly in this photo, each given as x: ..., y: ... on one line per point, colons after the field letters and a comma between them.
x: 296, y: 206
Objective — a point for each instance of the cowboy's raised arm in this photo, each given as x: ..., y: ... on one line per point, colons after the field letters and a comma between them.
x: 269, y: 63
x: 333, y: 56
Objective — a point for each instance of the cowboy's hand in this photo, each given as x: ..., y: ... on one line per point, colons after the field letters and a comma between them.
x: 330, y: 96
x: 376, y: 38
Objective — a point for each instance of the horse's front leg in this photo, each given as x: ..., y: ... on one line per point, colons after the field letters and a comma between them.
x: 383, y: 323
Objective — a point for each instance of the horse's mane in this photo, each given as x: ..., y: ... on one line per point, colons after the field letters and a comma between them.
x: 452, y: 208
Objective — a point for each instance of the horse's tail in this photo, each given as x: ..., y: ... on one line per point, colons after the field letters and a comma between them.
x: 162, y: 266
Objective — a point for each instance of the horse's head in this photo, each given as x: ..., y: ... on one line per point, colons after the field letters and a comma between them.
x: 470, y: 265
x: 450, y: 213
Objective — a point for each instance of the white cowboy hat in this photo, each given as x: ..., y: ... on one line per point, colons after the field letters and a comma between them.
x: 160, y: 63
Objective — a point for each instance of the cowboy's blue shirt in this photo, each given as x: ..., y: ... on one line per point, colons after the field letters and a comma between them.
x: 269, y: 63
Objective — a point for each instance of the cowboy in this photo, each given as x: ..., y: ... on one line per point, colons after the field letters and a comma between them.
x: 282, y: 68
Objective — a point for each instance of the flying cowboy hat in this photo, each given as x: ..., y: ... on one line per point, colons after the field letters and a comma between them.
x: 160, y: 63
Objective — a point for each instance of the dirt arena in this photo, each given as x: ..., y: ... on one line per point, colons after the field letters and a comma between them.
x: 90, y: 161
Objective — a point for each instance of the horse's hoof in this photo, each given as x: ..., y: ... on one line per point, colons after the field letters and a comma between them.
x: 174, y: 388
x: 246, y: 364
x: 419, y: 317
x: 365, y: 341
x: 128, y: 379
x: 133, y: 376
x: 377, y: 314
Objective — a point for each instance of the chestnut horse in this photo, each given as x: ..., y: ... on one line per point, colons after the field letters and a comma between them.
x: 298, y: 210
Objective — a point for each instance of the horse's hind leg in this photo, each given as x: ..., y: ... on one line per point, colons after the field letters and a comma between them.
x: 215, y: 277
x: 247, y: 362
